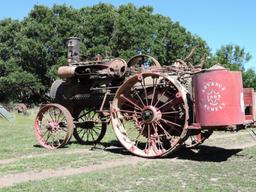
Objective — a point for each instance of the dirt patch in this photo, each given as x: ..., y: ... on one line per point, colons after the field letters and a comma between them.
x: 12, y: 179
x: 35, y: 155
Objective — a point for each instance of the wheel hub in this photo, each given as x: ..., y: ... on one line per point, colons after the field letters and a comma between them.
x: 147, y: 115
x: 89, y: 124
x: 53, y: 126
x: 150, y: 114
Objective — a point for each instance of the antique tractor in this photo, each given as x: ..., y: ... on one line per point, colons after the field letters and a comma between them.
x: 153, y: 109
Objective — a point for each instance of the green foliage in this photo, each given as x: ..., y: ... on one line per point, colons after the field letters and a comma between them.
x: 18, y: 85
x: 249, y: 77
x: 31, y: 50
x: 234, y: 58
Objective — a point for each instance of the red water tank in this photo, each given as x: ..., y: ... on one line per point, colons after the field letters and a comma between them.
x: 218, y: 96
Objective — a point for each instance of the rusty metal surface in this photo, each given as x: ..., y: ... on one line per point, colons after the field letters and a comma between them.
x: 218, y: 96
x: 115, y: 68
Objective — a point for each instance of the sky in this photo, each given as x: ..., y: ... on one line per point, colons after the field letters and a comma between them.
x: 218, y: 22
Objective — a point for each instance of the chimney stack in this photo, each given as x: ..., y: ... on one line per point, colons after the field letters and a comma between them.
x: 73, y: 50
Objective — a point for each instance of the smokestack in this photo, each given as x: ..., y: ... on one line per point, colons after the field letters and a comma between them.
x: 73, y: 50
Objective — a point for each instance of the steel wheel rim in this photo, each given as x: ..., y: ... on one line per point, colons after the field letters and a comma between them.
x: 53, y: 126
x: 149, y: 116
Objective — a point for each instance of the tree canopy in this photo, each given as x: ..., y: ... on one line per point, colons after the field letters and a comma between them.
x: 234, y: 57
x: 32, y: 49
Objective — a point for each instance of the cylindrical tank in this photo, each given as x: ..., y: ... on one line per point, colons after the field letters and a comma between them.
x: 218, y: 95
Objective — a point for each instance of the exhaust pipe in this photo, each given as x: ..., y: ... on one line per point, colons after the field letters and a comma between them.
x: 73, y: 50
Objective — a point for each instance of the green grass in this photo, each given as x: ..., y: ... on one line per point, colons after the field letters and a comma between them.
x: 236, y: 174
x: 19, y: 139
x: 213, y: 168
x: 57, y: 161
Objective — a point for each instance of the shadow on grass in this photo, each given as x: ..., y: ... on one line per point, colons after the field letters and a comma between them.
x: 201, y: 153
x: 39, y: 146
x: 205, y: 153
x: 114, y: 146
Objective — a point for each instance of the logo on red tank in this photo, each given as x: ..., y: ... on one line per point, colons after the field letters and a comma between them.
x: 213, y: 96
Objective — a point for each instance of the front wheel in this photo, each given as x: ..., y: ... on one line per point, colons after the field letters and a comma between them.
x: 53, y: 126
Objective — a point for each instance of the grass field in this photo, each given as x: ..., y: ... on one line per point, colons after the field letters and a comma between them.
x: 225, y: 162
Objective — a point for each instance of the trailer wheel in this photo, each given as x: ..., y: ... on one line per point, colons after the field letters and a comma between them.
x: 53, y: 126
x: 89, y: 127
x: 149, y: 115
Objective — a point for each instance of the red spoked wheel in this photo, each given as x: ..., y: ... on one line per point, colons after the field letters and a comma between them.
x: 89, y: 127
x: 53, y: 126
x: 149, y: 115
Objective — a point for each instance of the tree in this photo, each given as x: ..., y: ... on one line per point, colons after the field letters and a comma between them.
x: 249, y: 78
x: 31, y: 50
x: 231, y: 56
x: 234, y: 57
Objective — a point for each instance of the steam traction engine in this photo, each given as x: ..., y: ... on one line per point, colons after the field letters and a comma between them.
x: 153, y: 109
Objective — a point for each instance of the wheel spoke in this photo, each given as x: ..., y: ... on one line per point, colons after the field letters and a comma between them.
x: 162, y: 94
x: 131, y: 102
x: 85, y: 131
x: 49, y: 112
x: 167, y: 103
x: 144, y: 88
x: 170, y: 122
x: 168, y: 136
x: 90, y: 131
x: 48, y: 136
x: 154, y: 91
x: 170, y: 112
x: 148, y: 137
x: 139, y: 97
x: 55, y: 115
x: 93, y: 130
x: 140, y: 133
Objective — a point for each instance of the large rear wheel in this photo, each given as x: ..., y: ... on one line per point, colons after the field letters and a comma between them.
x: 149, y: 115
